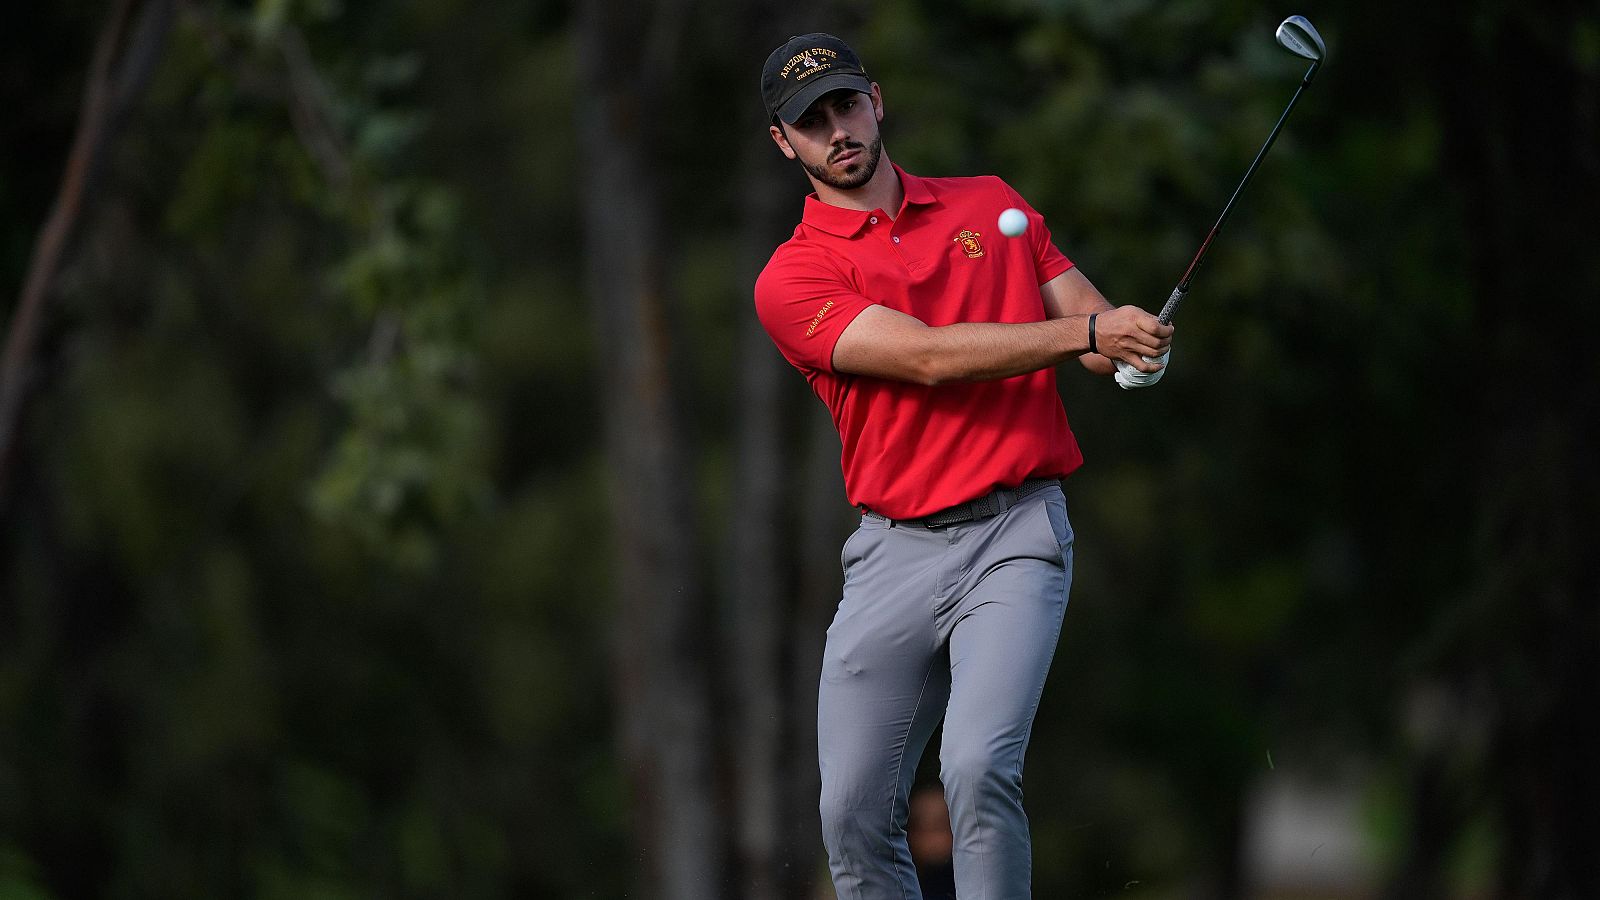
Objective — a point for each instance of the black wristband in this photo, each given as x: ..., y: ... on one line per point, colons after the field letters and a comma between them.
x: 1091, y: 333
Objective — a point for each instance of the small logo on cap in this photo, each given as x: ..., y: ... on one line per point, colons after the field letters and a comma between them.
x: 969, y: 242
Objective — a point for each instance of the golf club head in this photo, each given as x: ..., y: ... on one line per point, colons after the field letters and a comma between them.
x: 1299, y: 36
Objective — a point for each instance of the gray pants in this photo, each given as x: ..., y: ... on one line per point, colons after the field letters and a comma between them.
x: 958, y: 623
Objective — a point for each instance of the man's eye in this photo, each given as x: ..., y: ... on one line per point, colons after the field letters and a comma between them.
x: 848, y: 104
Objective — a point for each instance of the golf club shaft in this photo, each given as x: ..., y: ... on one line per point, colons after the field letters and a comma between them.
x: 1171, y: 307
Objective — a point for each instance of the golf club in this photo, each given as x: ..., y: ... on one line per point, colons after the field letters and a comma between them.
x: 1298, y: 36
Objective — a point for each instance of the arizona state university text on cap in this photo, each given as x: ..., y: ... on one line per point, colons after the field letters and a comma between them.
x: 804, y: 69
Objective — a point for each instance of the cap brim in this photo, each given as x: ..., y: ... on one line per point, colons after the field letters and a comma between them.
x: 794, y: 106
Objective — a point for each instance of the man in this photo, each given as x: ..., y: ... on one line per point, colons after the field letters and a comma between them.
x: 932, y: 844
x: 932, y: 340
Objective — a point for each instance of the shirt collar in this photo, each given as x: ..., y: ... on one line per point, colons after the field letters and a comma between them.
x: 837, y: 220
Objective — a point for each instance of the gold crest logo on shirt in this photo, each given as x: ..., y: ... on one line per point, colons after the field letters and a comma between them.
x: 969, y: 242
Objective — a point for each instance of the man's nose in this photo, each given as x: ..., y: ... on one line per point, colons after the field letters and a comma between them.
x: 840, y: 132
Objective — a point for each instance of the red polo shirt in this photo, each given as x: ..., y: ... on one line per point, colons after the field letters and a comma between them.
x: 909, y: 449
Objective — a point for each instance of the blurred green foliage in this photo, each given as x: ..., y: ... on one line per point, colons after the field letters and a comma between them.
x: 305, y: 572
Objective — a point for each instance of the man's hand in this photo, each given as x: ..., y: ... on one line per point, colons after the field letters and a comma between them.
x: 1130, y: 336
x: 1128, y: 377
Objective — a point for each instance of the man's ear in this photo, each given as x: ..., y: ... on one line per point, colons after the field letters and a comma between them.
x: 877, y: 101
x: 781, y: 139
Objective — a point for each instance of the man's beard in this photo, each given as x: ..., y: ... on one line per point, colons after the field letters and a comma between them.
x: 864, y: 169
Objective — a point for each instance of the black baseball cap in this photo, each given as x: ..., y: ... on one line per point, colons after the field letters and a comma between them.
x: 804, y: 69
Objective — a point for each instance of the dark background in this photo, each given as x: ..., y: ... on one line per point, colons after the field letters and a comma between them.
x: 398, y: 499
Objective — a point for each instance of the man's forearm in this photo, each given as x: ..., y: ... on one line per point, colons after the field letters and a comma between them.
x: 985, y: 351
x: 1071, y: 294
x: 884, y: 343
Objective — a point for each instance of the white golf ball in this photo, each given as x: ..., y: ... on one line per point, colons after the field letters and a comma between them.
x: 1013, y: 222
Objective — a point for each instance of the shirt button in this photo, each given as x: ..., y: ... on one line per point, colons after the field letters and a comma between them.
x: 873, y: 220
x: 897, y: 239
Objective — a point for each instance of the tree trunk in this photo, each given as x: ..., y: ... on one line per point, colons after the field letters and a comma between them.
x: 790, y: 519
x: 758, y: 593
x: 662, y: 625
x: 825, y: 521
x: 117, y: 77
x: 1518, y: 117
x: 783, y: 539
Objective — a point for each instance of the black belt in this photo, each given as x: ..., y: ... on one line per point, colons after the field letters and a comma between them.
x: 991, y: 504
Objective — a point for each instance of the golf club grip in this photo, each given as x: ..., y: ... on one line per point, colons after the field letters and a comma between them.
x: 1171, y: 309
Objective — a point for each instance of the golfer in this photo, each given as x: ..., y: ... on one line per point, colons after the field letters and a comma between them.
x: 932, y: 339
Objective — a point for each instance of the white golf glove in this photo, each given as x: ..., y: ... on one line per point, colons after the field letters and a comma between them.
x: 1128, y: 377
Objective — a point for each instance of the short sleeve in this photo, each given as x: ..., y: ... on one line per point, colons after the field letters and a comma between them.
x: 805, y: 304
x: 1048, y: 260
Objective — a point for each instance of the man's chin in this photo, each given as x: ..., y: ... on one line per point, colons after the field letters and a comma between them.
x: 852, y: 175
